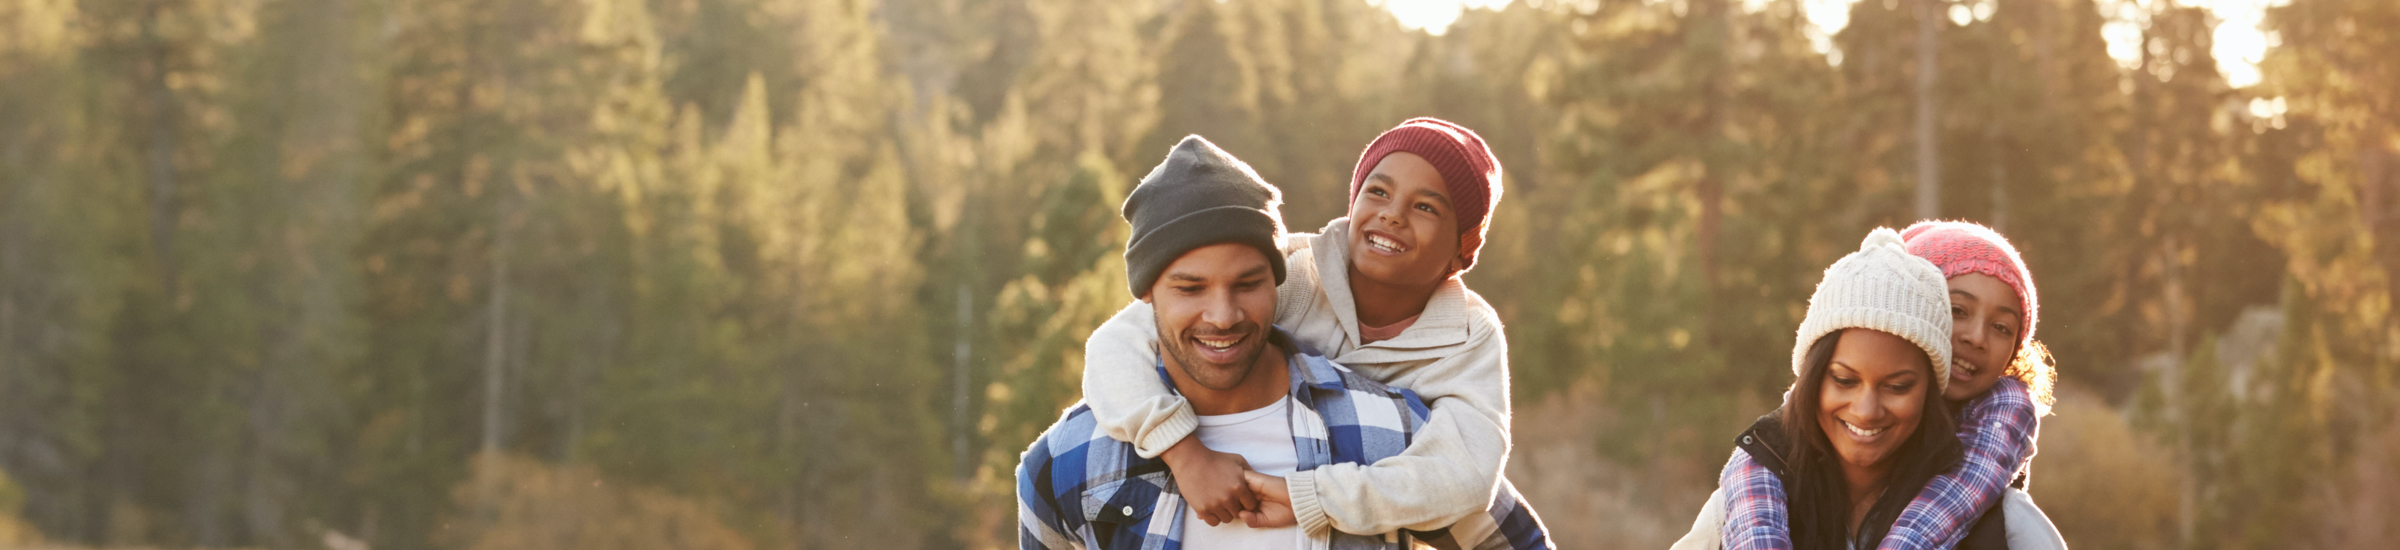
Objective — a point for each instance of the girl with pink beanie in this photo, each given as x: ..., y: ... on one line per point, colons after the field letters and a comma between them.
x: 2002, y: 380
x: 1999, y: 383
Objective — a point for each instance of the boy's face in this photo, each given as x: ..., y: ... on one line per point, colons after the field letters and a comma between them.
x: 1213, y: 306
x: 1403, y: 231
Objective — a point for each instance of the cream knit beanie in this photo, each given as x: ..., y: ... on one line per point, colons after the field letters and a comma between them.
x: 1882, y: 287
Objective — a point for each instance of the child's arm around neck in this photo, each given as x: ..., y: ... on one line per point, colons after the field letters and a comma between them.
x: 1998, y: 429
x: 1120, y: 383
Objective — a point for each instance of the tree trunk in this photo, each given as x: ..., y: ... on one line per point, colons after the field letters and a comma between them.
x: 495, y: 347
x: 960, y: 353
x: 160, y: 151
x: 1929, y: 168
x: 1716, y: 95
x: 2378, y: 195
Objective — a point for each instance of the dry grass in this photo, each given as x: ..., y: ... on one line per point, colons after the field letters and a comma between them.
x: 1587, y: 500
x: 2105, y: 485
x: 518, y: 503
x: 2361, y: 506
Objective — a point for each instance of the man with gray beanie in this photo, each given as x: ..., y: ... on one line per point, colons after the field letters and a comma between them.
x: 1203, y: 255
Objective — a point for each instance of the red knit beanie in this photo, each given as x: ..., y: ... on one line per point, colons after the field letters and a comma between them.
x: 1960, y: 248
x: 1469, y: 172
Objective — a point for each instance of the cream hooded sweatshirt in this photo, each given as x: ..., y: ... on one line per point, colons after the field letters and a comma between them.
x: 1454, y: 356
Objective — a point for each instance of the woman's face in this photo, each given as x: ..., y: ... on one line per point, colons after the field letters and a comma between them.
x: 1984, y: 324
x: 1873, y: 396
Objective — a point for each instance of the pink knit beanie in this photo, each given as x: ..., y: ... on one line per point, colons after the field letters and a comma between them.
x: 1469, y: 171
x: 1961, y: 247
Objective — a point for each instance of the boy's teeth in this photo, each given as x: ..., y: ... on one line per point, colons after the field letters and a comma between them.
x: 1382, y: 242
x: 1219, y: 344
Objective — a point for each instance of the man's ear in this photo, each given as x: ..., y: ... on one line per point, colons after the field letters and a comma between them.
x: 1145, y: 297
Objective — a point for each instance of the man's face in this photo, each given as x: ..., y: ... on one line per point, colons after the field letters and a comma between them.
x: 1213, y: 306
x: 1403, y: 231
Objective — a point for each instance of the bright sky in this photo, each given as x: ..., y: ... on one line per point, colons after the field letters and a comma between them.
x: 1435, y: 16
x: 2240, y: 45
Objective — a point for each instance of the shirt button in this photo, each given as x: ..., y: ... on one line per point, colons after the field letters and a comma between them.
x: 1127, y: 511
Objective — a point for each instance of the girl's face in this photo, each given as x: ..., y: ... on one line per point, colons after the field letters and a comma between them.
x: 1873, y: 396
x: 1403, y: 231
x: 1984, y: 324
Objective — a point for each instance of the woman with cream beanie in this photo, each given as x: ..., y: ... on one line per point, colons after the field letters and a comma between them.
x: 1864, y: 425
x: 1862, y: 292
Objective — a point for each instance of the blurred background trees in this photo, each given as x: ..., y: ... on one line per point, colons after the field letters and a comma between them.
x: 811, y: 273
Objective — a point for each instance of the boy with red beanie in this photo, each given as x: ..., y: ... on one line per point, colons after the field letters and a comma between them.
x: 1377, y: 291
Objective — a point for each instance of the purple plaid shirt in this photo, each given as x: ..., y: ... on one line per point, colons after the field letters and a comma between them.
x: 1755, y: 517
x: 1998, y: 431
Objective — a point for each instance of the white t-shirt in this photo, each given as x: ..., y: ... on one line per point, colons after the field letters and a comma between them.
x: 1263, y: 437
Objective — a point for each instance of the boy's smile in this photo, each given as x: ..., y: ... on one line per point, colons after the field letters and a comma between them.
x: 1384, y: 243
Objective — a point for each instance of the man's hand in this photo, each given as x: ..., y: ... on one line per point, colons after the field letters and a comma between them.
x: 1274, y: 502
x: 1211, y: 481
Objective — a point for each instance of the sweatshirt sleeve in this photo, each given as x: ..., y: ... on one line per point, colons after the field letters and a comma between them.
x: 1708, y: 528
x: 1757, y: 514
x: 1120, y: 383
x: 1294, y: 243
x: 2002, y: 428
x: 1451, y: 467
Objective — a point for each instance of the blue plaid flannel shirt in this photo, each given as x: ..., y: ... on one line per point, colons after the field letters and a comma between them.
x: 1078, y: 488
x: 1998, y: 430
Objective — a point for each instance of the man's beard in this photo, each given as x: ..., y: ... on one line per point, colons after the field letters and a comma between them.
x: 1212, y: 375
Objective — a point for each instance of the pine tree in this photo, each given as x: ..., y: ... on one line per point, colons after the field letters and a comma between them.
x: 62, y: 283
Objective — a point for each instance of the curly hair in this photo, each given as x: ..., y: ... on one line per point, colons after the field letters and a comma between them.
x: 2039, y: 371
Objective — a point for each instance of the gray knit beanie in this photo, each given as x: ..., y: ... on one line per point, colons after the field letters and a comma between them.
x: 1882, y: 287
x: 1199, y: 196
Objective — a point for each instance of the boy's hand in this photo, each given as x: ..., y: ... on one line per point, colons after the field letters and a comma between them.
x: 1211, y: 481
x: 1270, y: 515
x: 1274, y: 502
x: 1268, y: 488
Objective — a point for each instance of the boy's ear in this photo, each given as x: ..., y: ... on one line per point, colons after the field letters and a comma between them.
x: 1467, y: 241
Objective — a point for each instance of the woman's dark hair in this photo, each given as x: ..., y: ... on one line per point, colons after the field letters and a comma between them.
x: 1815, y: 490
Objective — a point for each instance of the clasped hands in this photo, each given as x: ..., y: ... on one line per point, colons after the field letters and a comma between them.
x: 1221, y: 487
